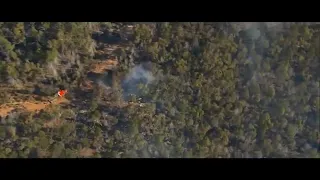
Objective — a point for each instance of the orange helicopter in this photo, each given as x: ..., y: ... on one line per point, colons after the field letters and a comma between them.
x: 61, y: 93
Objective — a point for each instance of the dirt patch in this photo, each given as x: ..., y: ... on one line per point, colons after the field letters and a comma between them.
x: 101, y: 66
x: 60, y: 100
x: 36, y: 106
x: 4, y: 111
x: 29, y: 106
x: 87, y: 152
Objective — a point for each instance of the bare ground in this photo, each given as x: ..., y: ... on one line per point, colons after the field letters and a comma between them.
x: 34, y: 106
x: 87, y: 152
x: 101, y: 66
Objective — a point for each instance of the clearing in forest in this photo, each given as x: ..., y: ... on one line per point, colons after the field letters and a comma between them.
x: 101, y: 66
x: 29, y: 106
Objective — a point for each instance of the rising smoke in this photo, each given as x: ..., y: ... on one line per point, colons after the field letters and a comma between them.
x: 138, y: 76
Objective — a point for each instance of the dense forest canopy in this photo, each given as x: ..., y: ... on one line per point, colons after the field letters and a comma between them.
x: 178, y: 90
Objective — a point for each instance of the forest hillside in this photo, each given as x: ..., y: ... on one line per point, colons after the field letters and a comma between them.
x: 159, y: 90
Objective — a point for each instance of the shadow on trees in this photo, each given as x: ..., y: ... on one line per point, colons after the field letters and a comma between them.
x: 108, y: 78
x: 101, y: 56
x: 33, y: 153
x: 93, y: 76
x: 108, y: 37
x: 80, y: 94
x: 39, y: 91
x: 117, y: 52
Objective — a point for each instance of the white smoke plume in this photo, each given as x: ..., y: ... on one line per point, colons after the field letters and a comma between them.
x: 137, y: 75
